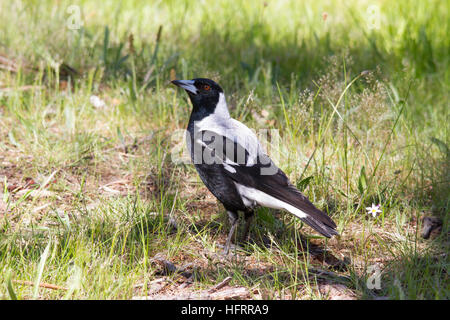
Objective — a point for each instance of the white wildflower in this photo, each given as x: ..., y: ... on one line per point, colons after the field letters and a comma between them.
x: 373, y: 210
x: 97, y: 102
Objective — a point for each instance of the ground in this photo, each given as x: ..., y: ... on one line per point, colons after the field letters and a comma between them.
x: 96, y: 201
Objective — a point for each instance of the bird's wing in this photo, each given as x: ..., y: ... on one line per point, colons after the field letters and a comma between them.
x: 257, y: 178
x: 234, y: 132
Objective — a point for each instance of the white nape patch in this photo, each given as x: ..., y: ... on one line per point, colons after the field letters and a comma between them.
x: 222, y: 108
x: 250, y: 195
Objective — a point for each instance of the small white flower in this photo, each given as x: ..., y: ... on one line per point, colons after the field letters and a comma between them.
x: 373, y: 210
x: 97, y: 102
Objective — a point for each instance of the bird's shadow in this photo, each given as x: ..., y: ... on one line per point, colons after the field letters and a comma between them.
x: 269, y: 230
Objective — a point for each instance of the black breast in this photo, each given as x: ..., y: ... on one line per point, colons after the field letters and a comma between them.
x: 213, y: 175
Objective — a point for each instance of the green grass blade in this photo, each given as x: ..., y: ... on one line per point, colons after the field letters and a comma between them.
x: 10, y: 288
x: 40, y: 270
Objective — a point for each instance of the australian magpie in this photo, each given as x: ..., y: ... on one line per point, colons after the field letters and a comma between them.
x: 233, y: 165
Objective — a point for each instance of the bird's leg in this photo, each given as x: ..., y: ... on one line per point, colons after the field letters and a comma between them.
x: 233, y: 221
x: 249, y: 215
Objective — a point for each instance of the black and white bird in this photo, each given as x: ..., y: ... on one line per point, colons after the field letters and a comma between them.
x: 234, y: 167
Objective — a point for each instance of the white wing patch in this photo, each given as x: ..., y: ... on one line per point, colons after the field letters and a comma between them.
x: 229, y: 168
x: 251, y: 195
x: 225, y: 160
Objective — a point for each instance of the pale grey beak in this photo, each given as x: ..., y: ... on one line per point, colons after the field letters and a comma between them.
x: 187, y: 85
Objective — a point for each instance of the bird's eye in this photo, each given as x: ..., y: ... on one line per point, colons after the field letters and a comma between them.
x: 206, y: 87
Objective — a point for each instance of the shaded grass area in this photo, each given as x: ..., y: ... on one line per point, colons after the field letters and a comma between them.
x: 361, y: 114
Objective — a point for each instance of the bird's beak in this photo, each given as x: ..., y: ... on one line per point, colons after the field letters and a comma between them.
x: 187, y: 85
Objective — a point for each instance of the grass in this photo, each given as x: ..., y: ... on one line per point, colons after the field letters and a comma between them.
x: 90, y: 195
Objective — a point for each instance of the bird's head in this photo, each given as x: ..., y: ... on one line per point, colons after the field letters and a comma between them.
x: 204, y: 93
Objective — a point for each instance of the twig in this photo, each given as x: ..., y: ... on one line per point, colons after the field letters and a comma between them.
x: 220, y: 285
x: 42, y: 285
x: 22, y: 88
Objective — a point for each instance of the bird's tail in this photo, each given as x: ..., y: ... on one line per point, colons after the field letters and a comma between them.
x: 299, y: 205
x: 289, y: 198
x: 325, y: 228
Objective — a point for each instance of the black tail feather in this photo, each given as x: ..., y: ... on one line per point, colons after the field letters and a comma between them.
x: 324, y: 229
